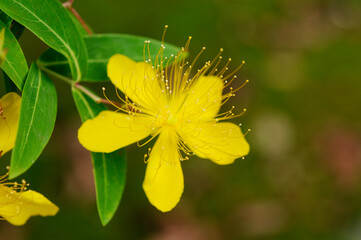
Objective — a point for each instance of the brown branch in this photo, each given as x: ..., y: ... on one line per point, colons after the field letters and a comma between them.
x: 82, y: 22
x: 69, y: 5
x: 96, y: 98
x: 102, y: 100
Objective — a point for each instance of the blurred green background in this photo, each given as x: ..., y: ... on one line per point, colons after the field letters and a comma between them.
x: 302, y: 177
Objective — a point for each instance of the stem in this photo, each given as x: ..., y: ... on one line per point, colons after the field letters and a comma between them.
x: 86, y: 91
x: 55, y: 74
x: 69, y: 5
x: 95, y: 97
x: 89, y: 93
x: 71, y: 82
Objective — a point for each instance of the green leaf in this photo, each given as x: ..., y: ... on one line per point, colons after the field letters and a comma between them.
x: 49, y: 20
x: 14, y: 65
x: 36, y: 121
x: 109, y: 168
x: 5, y: 19
x: 15, y: 27
x: 100, y: 48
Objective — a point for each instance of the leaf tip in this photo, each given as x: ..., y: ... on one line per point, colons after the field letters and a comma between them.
x: 105, y: 218
x: 14, y: 173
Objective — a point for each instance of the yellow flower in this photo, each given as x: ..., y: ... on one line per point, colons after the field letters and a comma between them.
x: 9, y: 120
x: 182, y: 110
x: 16, y: 204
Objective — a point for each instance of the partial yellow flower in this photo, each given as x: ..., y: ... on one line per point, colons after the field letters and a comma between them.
x: 9, y: 121
x: 182, y: 110
x: 17, y: 204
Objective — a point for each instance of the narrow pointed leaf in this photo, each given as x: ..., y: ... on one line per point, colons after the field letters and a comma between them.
x: 14, y: 64
x: 109, y: 168
x: 100, y: 48
x: 49, y: 20
x: 36, y: 122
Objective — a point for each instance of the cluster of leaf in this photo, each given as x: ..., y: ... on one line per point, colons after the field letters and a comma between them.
x: 74, y: 56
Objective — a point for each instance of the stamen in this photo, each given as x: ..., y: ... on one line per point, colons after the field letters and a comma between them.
x: 145, y: 46
x: 230, y: 81
x: 215, y: 67
x: 147, y: 156
x: 186, y: 76
x: 224, y: 69
x: 183, y: 147
x: 248, y: 130
x: 235, y: 70
x: 111, y: 102
x: 226, y: 97
x: 235, y: 116
x: 143, y: 144
x: 217, y: 56
x: 229, y: 115
x: 163, y: 36
x: 237, y: 89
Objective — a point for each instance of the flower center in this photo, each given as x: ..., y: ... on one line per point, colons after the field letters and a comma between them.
x: 169, y: 117
x: 172, y: 120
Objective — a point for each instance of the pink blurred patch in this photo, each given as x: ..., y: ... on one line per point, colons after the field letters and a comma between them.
x: 340, y: 151
x: 181, y: 225
x: 260, y: 218
x: 10, y: 232
x: 79, y: 179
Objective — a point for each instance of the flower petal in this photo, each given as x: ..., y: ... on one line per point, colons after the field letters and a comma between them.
x: 137, y: 80
x: 110, y: 131
x: 220, y: 142
x: 9, y: 121
x: 163, y: 183
x: 18, y: 207
x: 204, y: 98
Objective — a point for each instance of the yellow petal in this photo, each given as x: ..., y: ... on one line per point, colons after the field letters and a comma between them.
x: 220, y: 142
x: 110, y: 131
x: 9, y: 120
x: 136, y: 80
x: 163, y: 182
x: 18, y: 207
x: 204, y: 98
